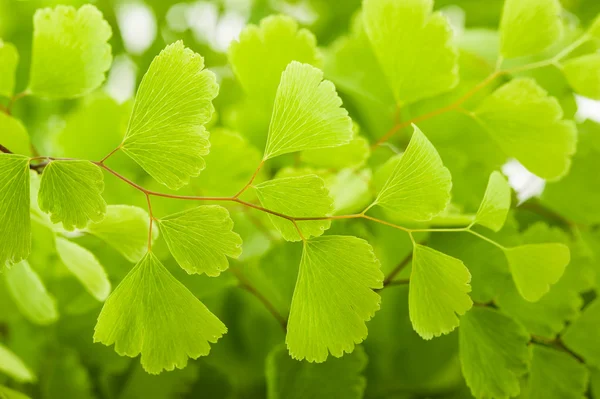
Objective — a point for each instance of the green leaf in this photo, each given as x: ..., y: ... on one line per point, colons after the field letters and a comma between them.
x: 71, y: 192
x: 535, y: 267
x: 201, y: 239
x: 70, y: 51
x: 166, y: 134
x: 594, y: 29
x: 493, y: 353
x: 583, y: 74
x: 30, y: 295
x: 494, y: 207
x: 13, y: 135
x: 438, y: 292
x: 419, y: 187
x: 9, y: 58
x: 414, y: 47
x: 7, y: 393
x: 527, y: 124
x: 263, y: 52
x: 304, y: 196
x: 582, y: 335
x: 152, y: 313
x: 307, y: 113
x: 337, y: 378
x: 353, y: 154
x: 555, y: 375
x: 13, y: 366
x: 125, y: 228
x: 84, y: 265
x: 15, y: 227
x: 333, y: 297
x: 529, y: 26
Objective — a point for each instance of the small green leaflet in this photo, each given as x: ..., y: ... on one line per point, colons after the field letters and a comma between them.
x: 333, y: 297
x: 583, y: 75
x: 70, y: 51
x: 84, y: 265
x: 7, y: 393
x: 525, y: 122
x: 30, y: 295
x: 71, y: 192
x: 555, y: 375
x: 9, y: 58
x: 494, y: 207
x: 263, y: 52
x: 493, y: 353
x: 419, y: 187
x: 535, y: 267
x: 414, y: 47
x: 13, y: 135
x: 307, y: 113
x: 125, y: 228
x: 166, y: 134
x: 13, y: 366
x: 529, y: 26
x: 152, y: 313
x: 438, y: 292
x: 15, y: 225
x: 353, y: 154
x: 336, y: 378
x: 201, y: 239
x: 582, y: 335
x: 303, y: 196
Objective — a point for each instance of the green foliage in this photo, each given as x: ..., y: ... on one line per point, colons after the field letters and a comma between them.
x: 71, y: 192
x: 70, y: 51
x: 172, y: 105
x: 359, y: 195
x: 144, y: 315
x: 409, y: 30
x: 333, y: 297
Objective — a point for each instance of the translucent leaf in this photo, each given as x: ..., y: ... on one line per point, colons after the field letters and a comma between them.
x: 201, y: 239
x: 353, y: 154
x: 9, y: 58
x: 166, y: 134
x: 307, y: 113
x: 494, y: 207
x: 70, y: 51
x: 583, y: 74
x: 152, y: 313
x: 535, y: 267
x: 527, y: 124
x: 555, y: 375
x: 304, y: 196
x: 493, y: 353
x: 263, y: 52
x: 84, y: 265
x: 125, y: 228
x: 13, y: 366
x: 337, y: 378
x: 15, y: 227
x: 438, y: 292
x: 30, y: 295
x: 414, y: 47
x: 71, y: 192
x: 333, y: 297
x: 419, y: 187
x: 13, y: 135
x: 582, y: 335
x: 529, y: 26
x: 7, y: 393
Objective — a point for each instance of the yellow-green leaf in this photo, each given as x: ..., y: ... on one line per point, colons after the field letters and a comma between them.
x: 494, y: 207
x: 583, y: 74
x: 9, y: 58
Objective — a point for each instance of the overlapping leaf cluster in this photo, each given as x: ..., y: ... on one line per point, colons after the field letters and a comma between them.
x: 314, y: 209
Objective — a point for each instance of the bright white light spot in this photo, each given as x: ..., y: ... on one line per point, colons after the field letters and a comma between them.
x: 176, y: 17
x: 301, y: 11
x: 202, y: 18
x: 525, y: 183
x: 229, y: 29
x: 121, y: 79
x: 137, y: 25
x: 587, y: 109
